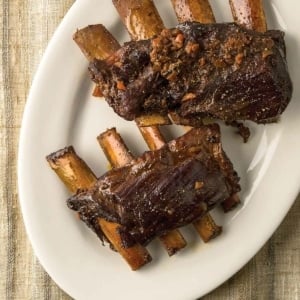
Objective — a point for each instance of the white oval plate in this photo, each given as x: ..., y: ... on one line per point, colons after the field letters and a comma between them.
x: 60, y: 111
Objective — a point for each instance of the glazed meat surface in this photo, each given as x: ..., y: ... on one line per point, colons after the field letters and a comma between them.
x: 163, y: 189
x: 198, y: 70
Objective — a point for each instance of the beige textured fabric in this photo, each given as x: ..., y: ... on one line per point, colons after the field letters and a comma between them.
x: 26, y: 27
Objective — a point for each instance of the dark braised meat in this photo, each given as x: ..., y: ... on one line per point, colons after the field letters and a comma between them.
x: 163, y: 189
x: 222, y: 71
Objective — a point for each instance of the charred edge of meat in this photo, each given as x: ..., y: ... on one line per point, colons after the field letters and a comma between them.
x: 221, y: 71
x: 243, y: 130
x: 163, y: 189
x: 88, y: 213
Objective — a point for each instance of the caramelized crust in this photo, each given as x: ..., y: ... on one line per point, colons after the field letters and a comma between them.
x: 163, y: 189
x: 198, y: 70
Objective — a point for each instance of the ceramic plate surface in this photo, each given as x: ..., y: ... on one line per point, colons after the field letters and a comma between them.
x: 61, y: 111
